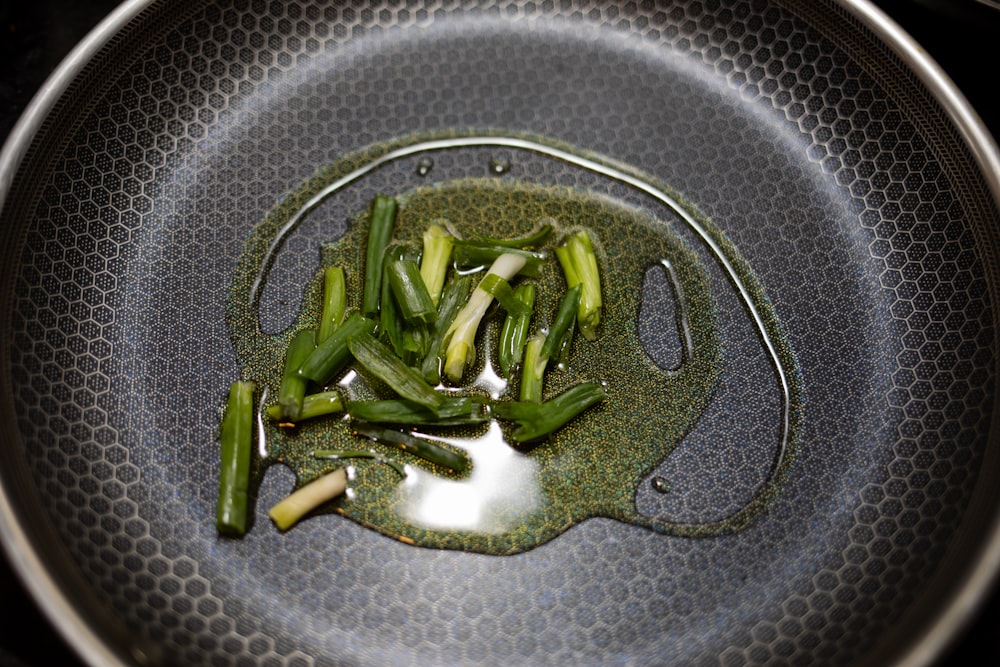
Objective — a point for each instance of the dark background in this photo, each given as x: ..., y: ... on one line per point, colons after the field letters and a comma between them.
x: 35, y: 35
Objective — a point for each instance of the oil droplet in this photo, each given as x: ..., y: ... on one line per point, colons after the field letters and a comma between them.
x: 500, y: 164
x: 660, y: 484
x: 424, y: 166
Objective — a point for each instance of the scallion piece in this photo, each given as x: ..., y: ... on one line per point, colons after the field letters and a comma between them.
x: 455, y: 294
x: 412, y: 297
x: 333, y: 354
x: 307, y: 498
x: 425, y: 449
x: 533, y: 370
x: 236, y: 435
x: 514, y: 333
x: 537, y: 420
x: 334, y: 302
x: 501, y: 290
x: 453, y: 411
x: 381, y: 221
x: 293, y: 386
x: 383, y: 364
x: 561, y: 332
x: 435, y: 259
x: 313, y: 405
x: 579, y: 263
x: 461, y: 335
x: 532, y: 240
x: 472, y: 253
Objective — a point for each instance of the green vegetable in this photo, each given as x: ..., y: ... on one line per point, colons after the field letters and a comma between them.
x: 333, y: 354
x: 461, y: 335
x: 533, y: 371
x: 456, y: 293
x: 579, y: 263
x: 313, y: 405
x: 537, y: 420
x: 561, y: 331
x: 515, y: 329
x: 334, y: 302
x: 288, y: 512
x: 381, y: 221
x: 501, y: 290
x: 237, y: 447
x: 532, y: 240
x: 472, y: 253
x: 383, y: 364
x: 435, y: 259
x: 453, y: 411
x: 411, y: 294
x: 293, y: 385
x: 425, y: 449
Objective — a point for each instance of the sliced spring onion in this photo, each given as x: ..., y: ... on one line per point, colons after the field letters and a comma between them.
x: 237, y: 448
x: 333, y: 354
x: 382, y: 218
x: 453, y: 411
x: 579, y: 263
x: 514, y: 333
x: 387, y: 367
x: 334, y: 302
x: 289, y: 511
x: 313, y: 405
x: 435, y: 259
x: 461, y: 335
x: 293, y: 386
x: 408, y: 442
x: 537, y: 420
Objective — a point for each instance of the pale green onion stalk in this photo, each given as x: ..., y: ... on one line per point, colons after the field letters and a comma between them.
x: 334, y: 302
x: 461, y: 336
x: 435, y: 259
x: 288, y: 512
x: 579, y: 265
x: 533, y: 370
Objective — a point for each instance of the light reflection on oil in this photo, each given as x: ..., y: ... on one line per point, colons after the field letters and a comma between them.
x: 500, y: 492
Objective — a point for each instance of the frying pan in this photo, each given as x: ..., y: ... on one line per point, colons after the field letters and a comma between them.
x: 849, y: 175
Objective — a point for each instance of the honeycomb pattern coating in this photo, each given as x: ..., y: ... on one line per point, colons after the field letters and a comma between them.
x: 860, y: 215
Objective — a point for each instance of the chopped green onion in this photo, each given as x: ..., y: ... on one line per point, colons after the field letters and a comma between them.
x: 435, y: 259
x: 381, y: 221
x: 453, y: 411
x: 561, y: 332
x: 501, y: 290
x: 313, y: 405
x: 461, y: 335
x: 579, y: 263
x: 471, y: 254
x: 334, y: 302
x: 333, y: 354
x: 293, y: 386
x: 514, y: 333
x: 390, y: 320
x: 383, y: 364
x: 236, y: 438
x: 455, y: 294
x: 537, y: 420
x: 337, y: 454
x: 288, y: 512
x: 425, y: 449
x: 533, y: 371
x: 411, y: 294
x: 532, y: 240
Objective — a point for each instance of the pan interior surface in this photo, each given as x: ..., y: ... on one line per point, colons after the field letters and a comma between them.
x: 813, y: 150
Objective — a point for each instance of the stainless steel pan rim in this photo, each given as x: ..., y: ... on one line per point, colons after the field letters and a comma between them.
x: 953, y: 613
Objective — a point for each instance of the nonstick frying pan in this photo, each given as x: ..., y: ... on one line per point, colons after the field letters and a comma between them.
x: 852, y: 181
